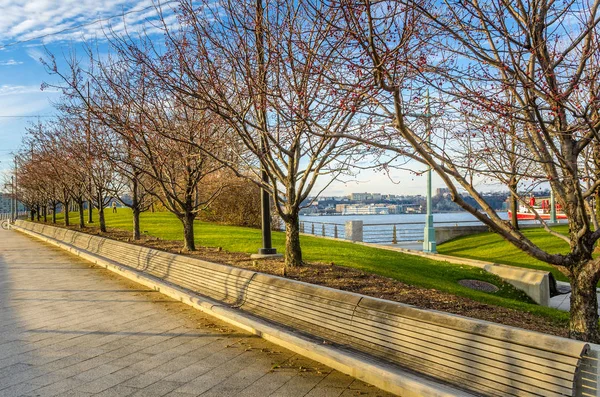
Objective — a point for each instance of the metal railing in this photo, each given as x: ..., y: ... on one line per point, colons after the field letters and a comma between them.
x: 392, y: 233
x: 322, y: 229
x: 7, y: 215
x: 380, y: 233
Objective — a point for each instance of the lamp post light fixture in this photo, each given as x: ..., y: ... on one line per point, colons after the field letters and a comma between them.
x: 429, y: 231
x: 267, y: 251
x: 429, y: 238
x: 15, y: 190
x: 265, y: 209
x: 552, y: 206
x: 12, y: 195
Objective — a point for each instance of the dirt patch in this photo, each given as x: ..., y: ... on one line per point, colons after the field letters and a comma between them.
x: 353, y: 280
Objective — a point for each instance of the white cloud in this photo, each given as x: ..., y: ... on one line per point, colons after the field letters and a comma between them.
x: 8, y: 89
x: 76, y: 20
x: 10, y: 62
x: 35, y: 53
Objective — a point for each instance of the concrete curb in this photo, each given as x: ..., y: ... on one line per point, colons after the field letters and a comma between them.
x: 368, y: 369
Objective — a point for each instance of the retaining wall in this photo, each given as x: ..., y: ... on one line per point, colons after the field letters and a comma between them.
x: 447, y: 233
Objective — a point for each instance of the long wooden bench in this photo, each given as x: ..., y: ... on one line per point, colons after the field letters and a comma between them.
x: 484, y: 358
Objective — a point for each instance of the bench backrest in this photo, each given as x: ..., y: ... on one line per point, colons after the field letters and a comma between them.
x: 483, y: 357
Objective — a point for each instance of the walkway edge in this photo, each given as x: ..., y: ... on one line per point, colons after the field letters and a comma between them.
x: 381, y: 375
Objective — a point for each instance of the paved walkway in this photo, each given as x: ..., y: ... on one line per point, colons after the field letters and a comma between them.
x: 563, y: 302
x: 69, y: 329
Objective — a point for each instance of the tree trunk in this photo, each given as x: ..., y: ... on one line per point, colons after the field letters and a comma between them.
x: 136, y: 222
x: 66, y: 209
x: 188, y: 232
x: 54, y: 213
x: 514, y: 208
x: 293, y: 251
x: 135, y: 208
x: 101, y: 219
x: 45, y: 208
x: 596, y: 157
x: 37, y: 212
x: 583, y: 324
x: 90, y: 212
x: 598, y: 205
x: 81, y: 214
x: 514, y: 203
x: 32, y: 213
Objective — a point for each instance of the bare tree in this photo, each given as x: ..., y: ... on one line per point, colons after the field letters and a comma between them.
x: 490, y: 146
x: 534, y: 65
x: 133, y: 188
x: 53, y: 156
x: 169, y: 146
x: 87, y: 145
x: 266, y: 70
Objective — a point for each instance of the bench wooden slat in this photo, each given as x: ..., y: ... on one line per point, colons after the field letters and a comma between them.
x: 516, y: 336
x: 389, y: 326
x: 228, y: 287
x: 303, y: 300
x: 481, y: 366
x: 318, y: 320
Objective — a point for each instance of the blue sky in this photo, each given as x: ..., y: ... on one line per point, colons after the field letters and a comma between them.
x: 30, y: 27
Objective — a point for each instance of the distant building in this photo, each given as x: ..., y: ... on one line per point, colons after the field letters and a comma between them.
x: 359, y: 196
x: 312, y: 209
x: 442, y: 191
x: 340, y: 207
x: 395, y: 209
x: 5, y: 203
x: 376, y: 197
x: 414, y: 209
x: 365, y: 210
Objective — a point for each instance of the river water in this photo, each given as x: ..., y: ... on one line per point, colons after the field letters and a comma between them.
x: 380, y: 228
x: 446, y: 217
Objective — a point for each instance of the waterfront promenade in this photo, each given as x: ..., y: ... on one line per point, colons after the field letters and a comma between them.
x: 68, y: 328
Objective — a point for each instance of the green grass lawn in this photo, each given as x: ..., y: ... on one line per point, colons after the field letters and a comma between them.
x: 406, y: 268
x: 493, y: 248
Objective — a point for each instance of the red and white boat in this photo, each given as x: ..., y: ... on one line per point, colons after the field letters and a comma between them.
x: 542, y: 206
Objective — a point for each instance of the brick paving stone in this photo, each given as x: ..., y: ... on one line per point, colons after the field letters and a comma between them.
x: 117, y: 391
x: 72, y: 329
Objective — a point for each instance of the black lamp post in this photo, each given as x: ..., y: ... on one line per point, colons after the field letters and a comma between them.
x: 265, y: 212
x: 267, y: 251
